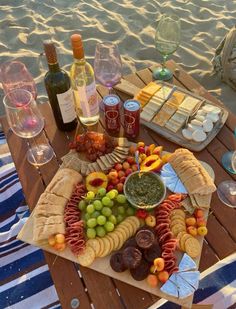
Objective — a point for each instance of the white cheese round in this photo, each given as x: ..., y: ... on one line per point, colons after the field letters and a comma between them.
x: 196, y: 122
x: 187, y: 134
x: 193, y: 127
x: 200, y: 118
x: 199, y: 136
x: 207, y: 125
x: 213, y: 117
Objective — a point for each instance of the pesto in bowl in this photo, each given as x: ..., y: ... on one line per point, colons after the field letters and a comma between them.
x: 144, y: 190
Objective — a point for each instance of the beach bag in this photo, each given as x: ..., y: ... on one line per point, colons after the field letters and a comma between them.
x: 224, y: 61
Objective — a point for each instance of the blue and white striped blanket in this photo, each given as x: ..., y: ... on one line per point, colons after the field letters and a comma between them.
x: 25, y: 281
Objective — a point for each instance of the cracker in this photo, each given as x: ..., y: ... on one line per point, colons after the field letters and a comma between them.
x: 123, y: 232
x: 178, y: 228
x: 101, y: 165
x: 134, y: 219
x: 177, y: 221
x: 121, y: 237
x: 105, y: 162
x: 183, y: 240
x: 95, y: 244
x: 116, y: 240
x: 109, y: 159
x: 107, y: 247
x: 101, y: 243
x: 179, y: 217
x: 130, y: 227
x: 124, y: 229
x: 87, y: 257
x: 180, y: 212
x: 192, y: 247
x: 112, y: 244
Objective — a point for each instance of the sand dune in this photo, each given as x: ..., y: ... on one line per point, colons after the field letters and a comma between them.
x: 130, y: 23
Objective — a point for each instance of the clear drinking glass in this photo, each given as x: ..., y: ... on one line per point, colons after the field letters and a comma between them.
x: 107, y: 64
x: 167, y: 40
x: 14, y: 75
x: 26, y: 121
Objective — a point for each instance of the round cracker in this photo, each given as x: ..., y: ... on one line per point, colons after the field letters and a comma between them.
x: 134, y: 224
x: 129, y: 228
x: 122, y: 238
x: 192, y: 247
x: 112, y: 244
x: 183, y: 239
x: 180, y: 212
x: 175, y: 217
x: 95, y: 244
x: 135, y: 220
x: 87, y: 257
x: 107, y: 246
x: 124, y: 231
x: 177, y: 228
x: 101, y: 246
x: 177, y: 221
x: 116, y: 239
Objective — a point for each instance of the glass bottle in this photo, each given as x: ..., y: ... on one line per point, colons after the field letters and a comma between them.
x: 83, y: 84
x: 58, y: 86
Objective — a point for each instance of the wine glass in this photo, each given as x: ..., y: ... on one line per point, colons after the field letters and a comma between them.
x: 227, y: 193
x: 107, y: 64
x: 167, y: 40
x: 14, y: 75
x: 25, y: 120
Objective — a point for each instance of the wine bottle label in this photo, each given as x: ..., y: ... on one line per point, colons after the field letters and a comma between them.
x: 66, y: 104
x: 88, y: 100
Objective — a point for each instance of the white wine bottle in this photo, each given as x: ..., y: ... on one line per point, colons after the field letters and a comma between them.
x: 83, y: 84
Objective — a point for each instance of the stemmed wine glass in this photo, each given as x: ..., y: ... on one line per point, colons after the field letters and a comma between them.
x: 167, y: 40
x: 107, y: 64
x: 25, y: 120
x: 227, y: 189
x: 14, y: 74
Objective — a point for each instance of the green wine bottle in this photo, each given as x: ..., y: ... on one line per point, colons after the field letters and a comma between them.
x: 58, y: 86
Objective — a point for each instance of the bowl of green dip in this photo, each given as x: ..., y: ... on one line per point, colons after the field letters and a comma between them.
x: 144, y: 190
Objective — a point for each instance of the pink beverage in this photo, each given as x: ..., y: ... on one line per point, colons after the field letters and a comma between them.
x: 131, y: 118
x: 14, y: 75
x: 112, y: 112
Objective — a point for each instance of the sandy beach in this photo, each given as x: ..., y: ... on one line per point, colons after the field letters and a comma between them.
x: 129, y: 23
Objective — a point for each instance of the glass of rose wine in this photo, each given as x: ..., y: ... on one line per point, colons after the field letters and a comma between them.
x: 107, y: 64
x: 14, y: 75
x: 26, y: 121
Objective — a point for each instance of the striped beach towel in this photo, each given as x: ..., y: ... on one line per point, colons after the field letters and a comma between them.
x: 25, y: 281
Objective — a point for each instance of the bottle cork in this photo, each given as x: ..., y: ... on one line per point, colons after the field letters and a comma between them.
x: 77, y: 46
x: 50, y: 52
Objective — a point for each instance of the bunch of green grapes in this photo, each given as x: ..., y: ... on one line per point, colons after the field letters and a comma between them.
x: 103, y: 211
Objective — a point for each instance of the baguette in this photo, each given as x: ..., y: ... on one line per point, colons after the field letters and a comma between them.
x: 48, y: 216
x: 193, y: 175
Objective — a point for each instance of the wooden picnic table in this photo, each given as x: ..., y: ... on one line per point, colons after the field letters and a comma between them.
x: 88, y: 286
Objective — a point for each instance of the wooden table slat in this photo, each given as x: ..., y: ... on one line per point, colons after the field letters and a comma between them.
x: 101, y: 289
x: 219, y: 239
x: 133, y: 297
